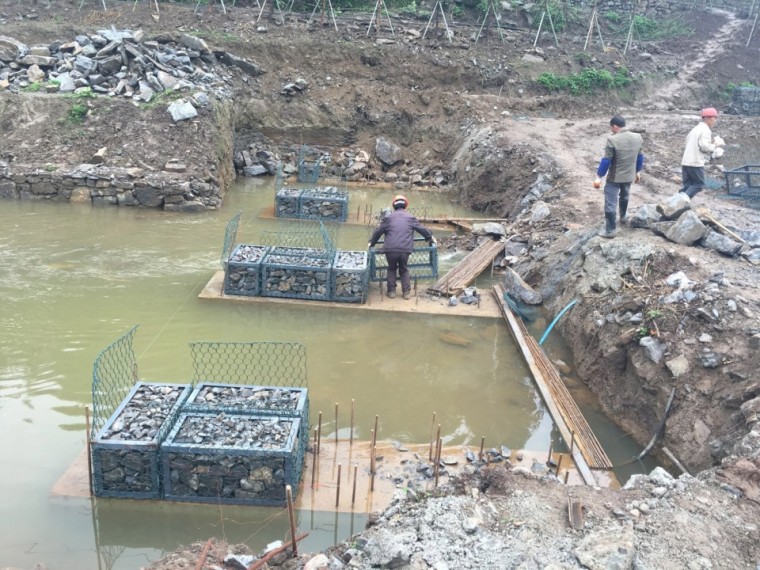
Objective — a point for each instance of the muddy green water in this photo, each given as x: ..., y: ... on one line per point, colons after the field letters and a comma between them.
x: 74, y: 278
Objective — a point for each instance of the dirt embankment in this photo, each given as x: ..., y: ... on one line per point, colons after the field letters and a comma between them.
x: 477, y: 111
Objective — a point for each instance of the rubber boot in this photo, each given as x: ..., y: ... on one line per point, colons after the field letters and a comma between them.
x: 623, y: 212
x: 610, y: 226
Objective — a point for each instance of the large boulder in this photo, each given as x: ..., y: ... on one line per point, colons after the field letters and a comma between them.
x: 388, y: 152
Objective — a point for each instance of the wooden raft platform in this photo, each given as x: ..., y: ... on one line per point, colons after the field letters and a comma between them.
x: 468, y: 269
x: 376, y: 301
x: 586, y: 450
x: 319, y: 489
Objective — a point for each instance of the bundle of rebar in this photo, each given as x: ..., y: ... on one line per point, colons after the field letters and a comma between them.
x: 467, y: 270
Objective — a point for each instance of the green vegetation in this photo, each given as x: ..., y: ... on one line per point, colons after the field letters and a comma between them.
x: 587, y: 81
x: 83, y: 93
x: 50, y: 167
x: 162, y: 98
x: 78, y: 113
x: 647, y: 29
x: 561, y: 14
x: 728, y: 90
x: 33, y: 87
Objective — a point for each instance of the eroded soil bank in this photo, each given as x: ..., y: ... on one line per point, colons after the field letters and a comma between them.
x: 508, y: 148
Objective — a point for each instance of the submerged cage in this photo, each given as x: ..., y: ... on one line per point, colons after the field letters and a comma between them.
x: 287, y: 202
x: 349, y: 280
x: 423, y: 262
x: 125, y: 451
x: 242, y: 275
x: 326, y: 203
x: 232, y: 459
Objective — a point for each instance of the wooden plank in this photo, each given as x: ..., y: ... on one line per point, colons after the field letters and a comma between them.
x: 467, y: 270
x: 580, y: 460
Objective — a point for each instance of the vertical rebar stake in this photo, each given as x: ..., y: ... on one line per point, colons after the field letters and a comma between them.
x: 559, y: 463
x: 432, y: 435
x: 372, y: 464
x: 292, y: 517
x: 374, y: 437
x: 551, y: 448
x: 437, y: 469
x: 353, y: 493
x: 567, y: 474
x: 89, y: 450
x: 336, y: 426
x: 351, y: 433
x: 482, y: 444
x: 314, y: 460
x: 337, y: 490
x: 319, y: 433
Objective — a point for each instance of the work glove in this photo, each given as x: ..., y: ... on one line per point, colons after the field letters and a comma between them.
x: 433, y: 241
x: 597, y: 182
x: 718, y: 152
x: 718, y: 141
x: 369, y: 245
x: 638, y: 178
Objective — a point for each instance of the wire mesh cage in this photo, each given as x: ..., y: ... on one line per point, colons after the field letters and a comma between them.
x: 349, y: 280
x: 232, y: 459
x: 743, y: 183
x: 296, y: 273
x: 308, y: 170
x: 310, y: 233
x: 325, y: 203
x: 423, y: 262
x: 746, y: 100
x: 249, y: 363
x: 125, y: 452
x: 242, y: 274
x: 230, y: 235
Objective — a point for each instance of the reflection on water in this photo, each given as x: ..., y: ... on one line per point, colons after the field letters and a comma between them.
x: 76, y: 278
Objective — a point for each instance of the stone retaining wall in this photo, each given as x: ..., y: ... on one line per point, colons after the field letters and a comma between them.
x: 104, y: 185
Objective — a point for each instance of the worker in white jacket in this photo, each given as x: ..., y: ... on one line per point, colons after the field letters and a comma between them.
x: 700, y: 145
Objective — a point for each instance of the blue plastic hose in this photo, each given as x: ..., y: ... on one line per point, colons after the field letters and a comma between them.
x: 554, y: 322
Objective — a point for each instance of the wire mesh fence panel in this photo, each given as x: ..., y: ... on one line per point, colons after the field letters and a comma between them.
x: 114, y: 374
x: 308, y: 170
x: 309, y: 233
x: 422, y: 264
x: 249, y: 363
x: 230, y: 235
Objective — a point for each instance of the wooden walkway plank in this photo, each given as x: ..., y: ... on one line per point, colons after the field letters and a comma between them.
x: 564, y: 412
x: 467, y: 270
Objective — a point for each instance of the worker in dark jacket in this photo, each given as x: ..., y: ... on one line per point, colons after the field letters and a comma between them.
x: 399, y: 227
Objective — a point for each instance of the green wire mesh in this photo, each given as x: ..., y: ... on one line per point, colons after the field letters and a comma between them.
x: 309, y: 233
x: 250, y: 363
x: 230, y: 234
x: 113, y: 375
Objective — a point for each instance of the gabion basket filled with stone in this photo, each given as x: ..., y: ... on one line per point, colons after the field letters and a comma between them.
x: 232, y: 458
x: 242, y: 275
x: 423, y: 262
x: 326, y: 203
x: 126, y: 451
x: 349, y: 280
x: 247, y: 399
x: 287, y: 202
x: 297, y: 273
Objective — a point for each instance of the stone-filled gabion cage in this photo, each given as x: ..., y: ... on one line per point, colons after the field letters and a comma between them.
x: 243, y: 272
x: 125, y: 453
x: 423, y: 262
x: 232, y: 458
x: 296, y: 273
x: 325, y: 202
x: 241, y: 441
x: 350, y: 277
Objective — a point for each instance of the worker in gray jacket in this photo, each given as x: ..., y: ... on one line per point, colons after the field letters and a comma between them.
x: 398, y: 227
x: 621, y: 164
x: 700, y: 146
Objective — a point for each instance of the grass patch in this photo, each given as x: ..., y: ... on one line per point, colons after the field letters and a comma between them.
x: 33, y: 87
x: 648, y: 29
x: 587, y: 81
x: 77, y: 114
